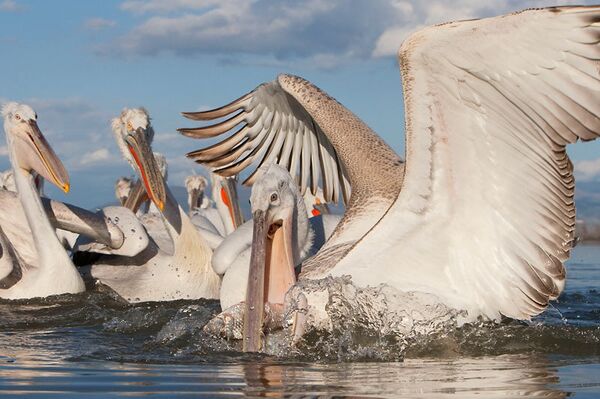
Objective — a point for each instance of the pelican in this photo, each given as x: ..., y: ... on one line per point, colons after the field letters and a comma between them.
x: 221, y: 214
x: 195, y: 186
x: 202, y: 211
x: 47, y: 270
x: 123, y: 188
x: 291, y: 236
x: 156, y: 275
x: 481, y: 215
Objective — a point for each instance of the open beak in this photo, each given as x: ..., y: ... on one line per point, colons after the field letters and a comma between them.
x: 270, y: 276
x: 137, y: 196
x: 149, y: 172
x: 230, y: 198
x: 46, y: 162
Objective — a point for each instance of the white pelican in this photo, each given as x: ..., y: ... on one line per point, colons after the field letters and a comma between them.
x: 48, y: 270
x: 216, y: 218
x: 123, y: 188
x: 276, y: 195
x: 223, y: 211
x: 202, y: 211
x: 482, y: 216
x: 282, y: 225
x: 195, y: 186
x: 155, y: 275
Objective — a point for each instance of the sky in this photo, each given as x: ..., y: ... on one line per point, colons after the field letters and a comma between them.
x: 78, y: 63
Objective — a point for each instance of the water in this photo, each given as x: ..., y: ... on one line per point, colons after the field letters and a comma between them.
x: 93, y: 345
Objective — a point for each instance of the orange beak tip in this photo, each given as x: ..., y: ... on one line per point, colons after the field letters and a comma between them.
x: 66, y: 188
x: 161, y: 205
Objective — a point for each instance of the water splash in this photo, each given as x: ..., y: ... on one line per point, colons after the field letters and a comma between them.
x: 346, y: 323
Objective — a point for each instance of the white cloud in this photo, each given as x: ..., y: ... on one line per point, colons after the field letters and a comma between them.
x: 92, y: 157
x: 313, y: 29
x: 10, y: 6
x: 99, y: 23
x: 324, y: 34
x: 587, y: 170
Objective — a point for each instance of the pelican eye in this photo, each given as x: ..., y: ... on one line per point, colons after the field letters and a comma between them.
x: 18, y: 117
x: 129, y: 127
x: 274, y: 197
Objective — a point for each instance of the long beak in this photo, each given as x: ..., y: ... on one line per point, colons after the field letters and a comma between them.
x: 51, y: 167
x: 255, y: 293
x: 195, y: 198
x: 149, y: 172
x: 230, y: 198
x: 137, y: 196
x: 270, y: 276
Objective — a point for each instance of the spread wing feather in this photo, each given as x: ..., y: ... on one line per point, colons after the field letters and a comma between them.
x: 271, y: 127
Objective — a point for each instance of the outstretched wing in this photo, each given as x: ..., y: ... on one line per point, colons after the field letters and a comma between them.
x: 272, y: 127
x: 486, y: 213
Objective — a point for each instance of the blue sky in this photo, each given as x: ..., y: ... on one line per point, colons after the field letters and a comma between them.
x: 78, y: 63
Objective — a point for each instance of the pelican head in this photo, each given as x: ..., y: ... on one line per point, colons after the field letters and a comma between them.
x: 280, y: 229
x: 30, y: 150
x: 134, y: 135
x: 195, y: 186
x: 122, y: 189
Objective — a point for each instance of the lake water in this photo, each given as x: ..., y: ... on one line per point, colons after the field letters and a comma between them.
x: 92, y: 345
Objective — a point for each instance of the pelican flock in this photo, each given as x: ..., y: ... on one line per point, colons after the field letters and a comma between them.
x: 479, y: 213
x: 184, y: 270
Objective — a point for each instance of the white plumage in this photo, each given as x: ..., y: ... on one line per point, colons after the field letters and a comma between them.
x: 179, y: 269
x: 37, y: 265
x: 483, y: 214
x: 487, y: 201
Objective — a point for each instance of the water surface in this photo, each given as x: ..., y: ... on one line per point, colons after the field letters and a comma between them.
x: 93, y: 345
